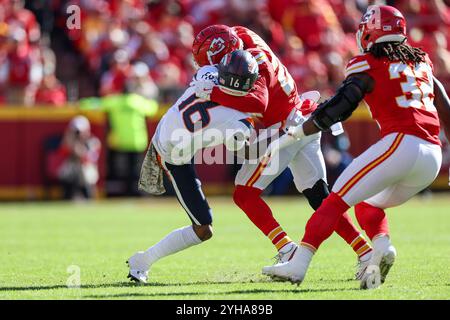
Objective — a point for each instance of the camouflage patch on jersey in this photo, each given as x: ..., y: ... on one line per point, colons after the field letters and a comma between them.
x: 152, y: 175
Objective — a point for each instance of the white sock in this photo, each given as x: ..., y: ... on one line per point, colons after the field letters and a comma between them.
x: 304, y: 256
x: 175, y: 241
x: 381, y: 243
x: 301, y: 260
x: 287, y: 247
x: 305, y: 253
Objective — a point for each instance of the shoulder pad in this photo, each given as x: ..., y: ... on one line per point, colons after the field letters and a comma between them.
x: 206, y: 73
x: 358, y: 64
x: 261, y: 56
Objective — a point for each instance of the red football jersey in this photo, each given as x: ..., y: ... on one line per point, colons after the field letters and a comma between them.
x: 274, y: 93
x: 402, y: 98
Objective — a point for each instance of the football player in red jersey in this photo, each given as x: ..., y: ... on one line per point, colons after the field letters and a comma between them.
x: 407, y: 101
x: 274, y: 97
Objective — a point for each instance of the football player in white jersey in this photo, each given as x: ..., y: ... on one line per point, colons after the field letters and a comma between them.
x: 190, y: 125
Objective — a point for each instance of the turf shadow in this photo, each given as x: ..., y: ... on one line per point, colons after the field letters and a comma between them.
x: 63, y: 286
x: 250, y: 291
x: 120, y: 285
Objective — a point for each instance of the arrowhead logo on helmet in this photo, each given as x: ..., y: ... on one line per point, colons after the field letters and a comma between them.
x: 217, y: 46
x: 213, y: 42
x: 380, y: 24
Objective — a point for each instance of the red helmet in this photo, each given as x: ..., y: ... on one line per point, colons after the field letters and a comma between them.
x: 213, y: 42
x: 380, y: 24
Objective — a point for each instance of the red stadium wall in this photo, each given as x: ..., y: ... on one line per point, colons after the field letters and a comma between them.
x: 22, y: 164
x: 23, y: 132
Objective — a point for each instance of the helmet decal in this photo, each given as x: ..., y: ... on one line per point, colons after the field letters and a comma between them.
x: 213, y: 42
x: 372, y: 17
x: 217, y: 46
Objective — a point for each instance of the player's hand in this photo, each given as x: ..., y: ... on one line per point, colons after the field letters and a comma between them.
x: 203, y: 89
x: 296, y: 132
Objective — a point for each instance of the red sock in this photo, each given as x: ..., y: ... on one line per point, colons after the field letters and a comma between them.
x: 371, y: 219
x: 348, y: 231
x: 324, y: 221
x: 250, y: 201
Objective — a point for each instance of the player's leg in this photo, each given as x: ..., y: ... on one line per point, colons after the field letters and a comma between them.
x: 382, y: 165
x: 189, y: 193
x: 250, y: 181
x: 372, y: 218
x: 308, y: 169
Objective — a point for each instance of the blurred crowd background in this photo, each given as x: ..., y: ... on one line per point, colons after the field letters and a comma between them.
x: 143, y: 47
x: 146, y: 45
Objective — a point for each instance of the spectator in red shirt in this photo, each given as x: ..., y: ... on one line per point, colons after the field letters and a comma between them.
x: 23, y: 68
x: 16, y: 14
x: 113, y: 81
x: 310, y: 20
x: 51, y: 92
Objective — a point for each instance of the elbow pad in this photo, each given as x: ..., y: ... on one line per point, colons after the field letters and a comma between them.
x: 341, y: 105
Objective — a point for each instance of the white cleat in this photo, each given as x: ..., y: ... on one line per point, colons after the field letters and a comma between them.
x: 387, y: 262
x: 286, y: 253
x: 378, y: 268
x: 138, y: 268
x: 294, y: 270
x: 138, y: 276
x: 362, y: 265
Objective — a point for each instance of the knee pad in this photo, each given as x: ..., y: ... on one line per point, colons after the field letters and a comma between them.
x: 317, y: 194
x: 242, y: 194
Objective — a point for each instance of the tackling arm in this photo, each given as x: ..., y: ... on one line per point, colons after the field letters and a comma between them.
x: 442, y: 103
x: 337, y: 109
x: 255, y: 101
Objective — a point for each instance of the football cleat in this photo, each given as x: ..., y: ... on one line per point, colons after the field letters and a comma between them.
x: 286, y: 253
x: 138, y: 276
x: 138, y: 268
x: 294, y: 270
x: 387, y: 262
x: 361, y: 265
x: 379, y: 266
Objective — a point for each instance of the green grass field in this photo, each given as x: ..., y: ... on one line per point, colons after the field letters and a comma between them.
x: 39, y: 241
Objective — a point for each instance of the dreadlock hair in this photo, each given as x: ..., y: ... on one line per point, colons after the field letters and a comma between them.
x: 395, y: 51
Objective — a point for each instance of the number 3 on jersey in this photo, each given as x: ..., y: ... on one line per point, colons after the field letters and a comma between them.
x: 418, y: 87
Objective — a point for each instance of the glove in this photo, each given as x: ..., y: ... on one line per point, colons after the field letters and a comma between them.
x: 203, y: 89
x: 296, y: 132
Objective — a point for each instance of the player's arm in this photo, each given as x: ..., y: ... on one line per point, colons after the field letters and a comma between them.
x: 336, y: 109
x: 255, y: 101
x: 442, y: 104
x: 341, y: 106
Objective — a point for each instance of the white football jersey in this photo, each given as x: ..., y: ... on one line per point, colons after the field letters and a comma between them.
x: 192, y: 124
